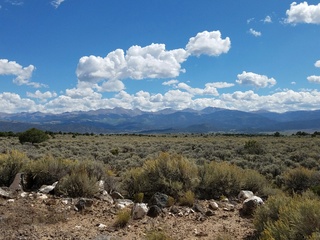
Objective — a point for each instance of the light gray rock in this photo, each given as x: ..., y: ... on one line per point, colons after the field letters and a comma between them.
x: 245, y: 194
x: 16, y: 185
x: 4, y: 194
x: 47, y: 188
x: 139, y: 210
x: 213, y: 205
x: 116, y: 195
x: 105, y: 196
x: 123, y: 203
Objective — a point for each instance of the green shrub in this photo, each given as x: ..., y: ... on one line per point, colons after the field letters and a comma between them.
x: 122, y: 218
x: 169, y: 173
x: 187, y: 199
x: 219, y: 178
x: 253, y: 147
x: 298, y: 180
x: 78, y: 184
x: 295, y: 218
x: 33, y: 135
x: 138, y: 197
x: 10, y: 164
x: 46, y: 171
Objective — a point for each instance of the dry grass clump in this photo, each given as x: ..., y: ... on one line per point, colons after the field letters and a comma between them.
x: 157, y: 235
x: 122, y: 218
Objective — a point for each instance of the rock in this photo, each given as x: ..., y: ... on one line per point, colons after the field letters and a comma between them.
x: 198, y: 208
x: 159, y: 199
x: 154, y: 211
x: 213, y: 205
x: 116, y: 195
x: 42, y: 196
x: 209, y: 213
x: 123, y: 203
x: 174, y: 210
x: 249, y: 205
x: 101, y: 225
x: 16, y: 185
x: 228, y: 207
x: 245, y: 194
x: 48, y: 188
x: 139, y: 211
x: 83, y: 203
x: 105, y: 196
x: 101, y: 185
x: 24, y: 194
x: 10, y: 200
x: 4, y: 194
x: 225, y: 200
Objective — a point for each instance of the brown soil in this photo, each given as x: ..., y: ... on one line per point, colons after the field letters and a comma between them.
x: 55, y: 218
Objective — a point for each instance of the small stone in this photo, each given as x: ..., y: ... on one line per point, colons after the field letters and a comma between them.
x: 154, y: 211
x: 213, y: 205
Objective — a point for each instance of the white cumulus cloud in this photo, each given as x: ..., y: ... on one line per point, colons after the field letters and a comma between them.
x: 152, y: 61
x: 208, y: 43
x: 22, y: 74
x: 303, y: 13
x: 257, y: 80
x: 42, y: 95
x: 267, y: 19
x: 254, y: 32
x: 314, y: 79
x: 317, y: 64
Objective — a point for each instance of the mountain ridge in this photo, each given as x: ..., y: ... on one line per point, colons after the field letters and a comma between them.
x: 121, y: 120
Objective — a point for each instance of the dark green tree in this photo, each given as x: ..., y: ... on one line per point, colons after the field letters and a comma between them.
x: 33, y: 135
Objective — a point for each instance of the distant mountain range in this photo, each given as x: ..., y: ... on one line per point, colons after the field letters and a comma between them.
x: 119, y: 120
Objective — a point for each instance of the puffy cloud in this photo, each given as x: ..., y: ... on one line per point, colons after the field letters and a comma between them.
x: 14, y: 103
x: 56, y: 3
x: 303, y: 13
x: 170, y: 82
x: 250, y: 78
x: 42, y: 96
x: 23, y: 74
x: 317, y: 64
x: 152, y: 61
x: 254, y: 32
x: 314, y: 79
x: 208, y: 43
x: 267, y: 19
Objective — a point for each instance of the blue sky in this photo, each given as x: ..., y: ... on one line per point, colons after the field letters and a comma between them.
x: 78, y: 55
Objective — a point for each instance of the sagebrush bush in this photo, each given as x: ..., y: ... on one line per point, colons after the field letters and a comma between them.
x: 300, y: 179
x: 11, y: 163
x: 295, y: 218
x: 219, y: 178
x: 169, y: 173
x: 78, y: 184
x: 47, y: 170
x: 253, y: 147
